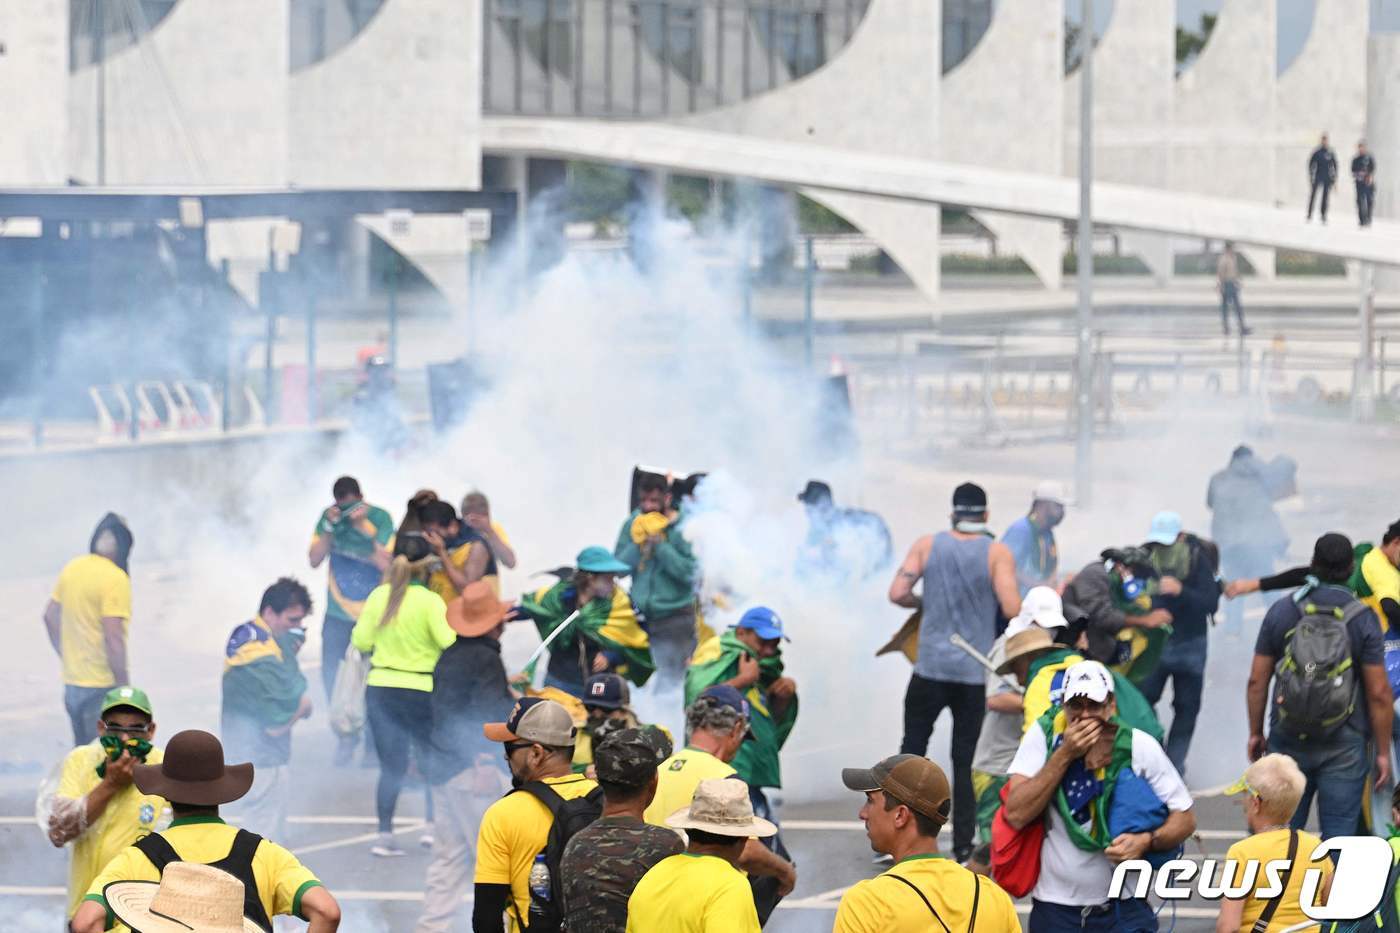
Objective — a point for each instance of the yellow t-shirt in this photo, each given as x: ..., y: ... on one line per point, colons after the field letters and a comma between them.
x: 513, y: 831
x: 692, y: 894
x: 678, y: 776
x: 1384, y: 580
x: 440, y: 583
x: 89, y: 589
x: 129, y: 816
x: 407, y: 649
x: 281, y: 879
x: 884, y: 905
x: 1265, y: 847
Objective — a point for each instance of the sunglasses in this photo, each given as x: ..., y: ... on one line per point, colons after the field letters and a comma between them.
x: 513, y: 747
x: 115, y: 729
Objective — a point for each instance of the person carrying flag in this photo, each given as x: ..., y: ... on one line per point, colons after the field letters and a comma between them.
x: 748, y: 657
x: 603, y: 631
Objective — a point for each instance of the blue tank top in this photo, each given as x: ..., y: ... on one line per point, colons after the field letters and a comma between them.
x: 958, y: 597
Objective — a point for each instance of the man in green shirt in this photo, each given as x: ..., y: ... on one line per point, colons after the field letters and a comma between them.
x: 359, y: 540
x: 664, y: 571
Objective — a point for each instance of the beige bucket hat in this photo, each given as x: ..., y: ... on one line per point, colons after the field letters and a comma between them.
x: 721, y: 806
x: 189, y: 898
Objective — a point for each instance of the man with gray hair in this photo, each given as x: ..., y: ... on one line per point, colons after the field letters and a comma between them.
x: 718, y: 723
x: 1272, y: 787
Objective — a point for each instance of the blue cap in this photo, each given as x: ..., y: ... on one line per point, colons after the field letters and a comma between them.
x: 606, y: 691
x: 597, y: 559
x: 728, y: 696
x: 1165, y: 528
x: 764, y: 623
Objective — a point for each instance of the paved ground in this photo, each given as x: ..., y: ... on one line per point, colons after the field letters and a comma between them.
x: 332, y: 826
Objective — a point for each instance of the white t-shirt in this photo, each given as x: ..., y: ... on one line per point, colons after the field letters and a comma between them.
x: 1068, y: 874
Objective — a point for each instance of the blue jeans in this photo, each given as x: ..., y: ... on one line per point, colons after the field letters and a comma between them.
x: 1337, y: 770
x: 84, y: 705
x: 1127, y: 915
x: 1184, y: 661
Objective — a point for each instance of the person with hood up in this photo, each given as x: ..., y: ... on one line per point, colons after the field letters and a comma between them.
x: 1115, y: 594
x: 603, y: 630
x: 1244, y: 525
x: 87, y: 620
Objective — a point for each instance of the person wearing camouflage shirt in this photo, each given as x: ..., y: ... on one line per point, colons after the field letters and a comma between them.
x: 604, y: 861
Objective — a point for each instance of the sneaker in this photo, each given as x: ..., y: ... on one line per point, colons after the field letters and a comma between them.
x: 426, y: 840
x: 385, y: 847
x: 885, y: 859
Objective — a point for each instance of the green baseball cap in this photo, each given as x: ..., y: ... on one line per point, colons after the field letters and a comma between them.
x: 133, y: 697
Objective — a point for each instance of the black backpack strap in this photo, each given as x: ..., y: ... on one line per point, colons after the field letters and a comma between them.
x: 545, y: 795
x: 160, y: 852
x: 976, y: 894
x: 915, y: 888
x: 1262, y: 924
x: 239, y: 863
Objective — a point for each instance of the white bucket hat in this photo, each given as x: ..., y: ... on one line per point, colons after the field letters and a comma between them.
x: 721, y: 806
x: 189, y: 898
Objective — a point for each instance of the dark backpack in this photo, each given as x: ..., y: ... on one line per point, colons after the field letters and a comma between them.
x: 238, y: 862
x: 570, y: 816
x: 1315, y: 680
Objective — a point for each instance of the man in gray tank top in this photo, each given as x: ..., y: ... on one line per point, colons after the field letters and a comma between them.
x: 967, y: 579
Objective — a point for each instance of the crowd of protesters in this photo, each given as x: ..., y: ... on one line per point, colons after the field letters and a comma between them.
x: 555, y: 808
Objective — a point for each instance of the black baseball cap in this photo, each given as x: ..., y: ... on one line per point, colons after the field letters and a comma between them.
x: 969, y: 499
x: 606, y: 691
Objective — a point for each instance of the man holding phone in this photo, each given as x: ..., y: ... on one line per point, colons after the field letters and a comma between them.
x: 359, y: 540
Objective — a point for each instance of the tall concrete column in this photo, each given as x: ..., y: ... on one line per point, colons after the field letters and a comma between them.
x: 1383, y: 136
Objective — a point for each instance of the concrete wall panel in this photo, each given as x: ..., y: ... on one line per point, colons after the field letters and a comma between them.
x: 1383, y: 136
x: 34, y: 140
x: 1324, y: 91
x: 894, y: 56
x: 1003, y: 106
x: 199, y: 100
x: 399, y: 107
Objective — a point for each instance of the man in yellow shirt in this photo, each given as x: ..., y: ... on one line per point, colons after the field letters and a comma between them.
x: 539, y: 741
x: 907, y: 801
x: 87, y: 619
x: 97, y: 807
x: 1380, y: 571
x: 1273, y: 785
x: 702, y: 890
x: 194, y: 778
x: 718, y: 723
x: 463, y: 555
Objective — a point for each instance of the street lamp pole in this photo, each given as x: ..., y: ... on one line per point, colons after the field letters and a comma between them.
x: 1084, y: 359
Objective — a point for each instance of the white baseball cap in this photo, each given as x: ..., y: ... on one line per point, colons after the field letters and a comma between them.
x: 1040, y: 606
x: 1088, y: 679
x: 1049, y: 491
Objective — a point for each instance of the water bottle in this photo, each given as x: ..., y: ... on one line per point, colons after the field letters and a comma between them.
x: 539, y: 888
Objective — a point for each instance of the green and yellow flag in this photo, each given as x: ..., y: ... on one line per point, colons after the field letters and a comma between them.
x: 610, y: 623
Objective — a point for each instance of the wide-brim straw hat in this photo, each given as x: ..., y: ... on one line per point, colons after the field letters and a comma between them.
x: 477, y: 611
x: 722, y: 806
x: 1033, y: 640
x: 189, y: 898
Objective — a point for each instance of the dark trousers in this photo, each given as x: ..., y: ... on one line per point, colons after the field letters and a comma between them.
x: 923, y: 702
x: 84, y: 705
x: 1337, y: 769
x: 401, y: 721
x: 1127, y: 915
x: 1230, y: 297
x: 672, y: 643
x: 1184, y: 663
x: 335, y: 639
x: 765, y: 889
x: 1326, y: 190
x: 1365, y: 202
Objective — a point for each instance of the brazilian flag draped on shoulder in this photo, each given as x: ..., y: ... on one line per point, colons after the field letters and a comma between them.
x: 1133, y: 707
x: 1139, y: 650
x: 1084, y: 796
x: 717, y: 660
x: 611, y: 624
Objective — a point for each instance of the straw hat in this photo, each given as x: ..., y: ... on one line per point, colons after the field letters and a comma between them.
x: 721, y: 806
x: 189, y: 898
x: 1033, y: 640
x: 477, y: 611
